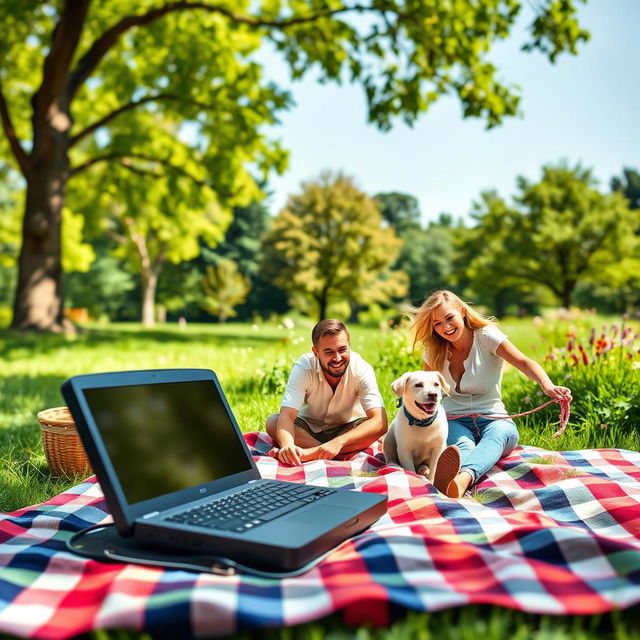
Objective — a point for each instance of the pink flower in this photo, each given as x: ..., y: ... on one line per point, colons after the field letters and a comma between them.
x: 592, y: 335
x: 604, y: 426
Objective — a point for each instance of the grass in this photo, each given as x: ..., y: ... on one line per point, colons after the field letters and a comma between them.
x: 252, y: 363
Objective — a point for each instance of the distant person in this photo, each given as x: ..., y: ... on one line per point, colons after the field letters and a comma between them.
x: 469, y: 350
x: 331, y: 404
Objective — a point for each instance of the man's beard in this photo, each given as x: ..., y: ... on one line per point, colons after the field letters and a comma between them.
x: 332, y: 373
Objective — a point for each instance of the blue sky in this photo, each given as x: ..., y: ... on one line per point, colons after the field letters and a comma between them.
x: 585, y: 109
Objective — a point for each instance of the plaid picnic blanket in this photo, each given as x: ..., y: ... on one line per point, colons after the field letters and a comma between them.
x: 545, y: 532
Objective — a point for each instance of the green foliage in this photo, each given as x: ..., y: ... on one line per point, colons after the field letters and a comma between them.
x: 76, y: 254
x: 396, y: 354
x: 426, y: 255
x: 328, y: 244
x: 242, y: 243
x: 559, y: 231
x: 629, y: 186
x: 406, y: 59
x: 225, y: 288
x: 601, y: 366
x: 10, y: 202
x: 400, y: 210
x: 149, y: 97
x: 102, y: 289
x: 428, y: 258
x: 274, y: 379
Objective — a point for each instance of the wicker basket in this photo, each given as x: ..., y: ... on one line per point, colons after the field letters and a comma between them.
x: 61, y: 442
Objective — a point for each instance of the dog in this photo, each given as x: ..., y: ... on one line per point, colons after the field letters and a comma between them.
x: 418, y: 434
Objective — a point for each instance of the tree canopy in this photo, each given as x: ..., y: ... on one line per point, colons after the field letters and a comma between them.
x: 328, y: 244
x: 558, y: 232
x: 170, y: 90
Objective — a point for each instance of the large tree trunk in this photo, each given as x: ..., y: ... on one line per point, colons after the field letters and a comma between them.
x: 149, y: 284
x: 322, y: 307
x: 355, y: 308
x: 500, y: 303
x: 38, y: 303
x: 567, y: 290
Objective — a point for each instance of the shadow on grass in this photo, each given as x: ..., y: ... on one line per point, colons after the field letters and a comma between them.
x: 15, y: 345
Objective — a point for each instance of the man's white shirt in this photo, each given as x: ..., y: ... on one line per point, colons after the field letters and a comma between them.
x: 319, y: 405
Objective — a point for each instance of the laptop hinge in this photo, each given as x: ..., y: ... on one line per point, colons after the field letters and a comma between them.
x: 150, y: 515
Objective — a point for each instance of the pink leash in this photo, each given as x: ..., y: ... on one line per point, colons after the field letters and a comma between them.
x: 564, y: 414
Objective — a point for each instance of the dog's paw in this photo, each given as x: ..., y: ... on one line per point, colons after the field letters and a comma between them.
x: 423, y: 470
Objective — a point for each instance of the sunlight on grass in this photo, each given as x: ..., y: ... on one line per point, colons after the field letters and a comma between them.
x: 253, y: 364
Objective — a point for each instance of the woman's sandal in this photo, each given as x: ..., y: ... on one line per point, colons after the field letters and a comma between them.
x: 447, y: 468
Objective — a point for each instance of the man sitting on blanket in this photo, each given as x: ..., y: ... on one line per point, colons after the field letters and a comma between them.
x: 331, y: 403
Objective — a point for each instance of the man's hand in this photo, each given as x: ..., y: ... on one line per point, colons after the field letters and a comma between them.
x: 290, y: 454
x: 328, y: 450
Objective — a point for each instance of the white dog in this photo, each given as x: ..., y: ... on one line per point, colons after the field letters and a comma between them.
x: 418, y: 434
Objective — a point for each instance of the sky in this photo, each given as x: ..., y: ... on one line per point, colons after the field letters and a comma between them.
x: 584, y: 109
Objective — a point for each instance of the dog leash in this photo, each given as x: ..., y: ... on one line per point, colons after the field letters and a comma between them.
x: 565, y: 412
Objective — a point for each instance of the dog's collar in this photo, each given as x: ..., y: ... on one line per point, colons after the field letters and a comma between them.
x: 413, y: 421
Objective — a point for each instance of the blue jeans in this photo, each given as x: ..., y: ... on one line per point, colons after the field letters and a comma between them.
x: 482, y: 442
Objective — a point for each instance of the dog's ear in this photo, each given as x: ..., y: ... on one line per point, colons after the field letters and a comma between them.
x: 398, y: 385
x: 443, y: 382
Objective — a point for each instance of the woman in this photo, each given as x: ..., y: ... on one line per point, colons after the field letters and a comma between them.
x: 469, y: 349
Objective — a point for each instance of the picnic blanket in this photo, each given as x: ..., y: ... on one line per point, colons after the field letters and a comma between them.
x: 544, y: 532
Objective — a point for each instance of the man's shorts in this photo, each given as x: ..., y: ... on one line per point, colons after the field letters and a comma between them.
x: 327, y: 434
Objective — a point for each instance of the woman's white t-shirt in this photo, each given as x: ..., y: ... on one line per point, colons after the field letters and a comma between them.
x: 479, y: 389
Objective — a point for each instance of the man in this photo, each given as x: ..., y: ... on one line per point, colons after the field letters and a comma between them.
x: 331, y: 404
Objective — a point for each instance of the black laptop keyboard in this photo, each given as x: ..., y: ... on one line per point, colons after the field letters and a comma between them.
x: 251, y: 507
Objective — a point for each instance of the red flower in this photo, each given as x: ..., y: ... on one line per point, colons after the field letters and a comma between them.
x: 585, y: 358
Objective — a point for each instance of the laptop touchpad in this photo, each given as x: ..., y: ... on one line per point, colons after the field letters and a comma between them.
x: 328, y: 516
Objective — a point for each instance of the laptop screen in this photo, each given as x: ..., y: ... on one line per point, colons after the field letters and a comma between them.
x: 166, y: 437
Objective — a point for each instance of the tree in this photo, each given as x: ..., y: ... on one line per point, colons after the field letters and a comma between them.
x: 85, y: 84
x: 629, y: 186
x: 225, y: 288
x: 426, y: 255
x: 400, y: 210
x: 559, y: 231
x: 243, y: 244
x: 483, y: 254
x: 155, y: 222
x: 102, y: 290
x: 328, y: 244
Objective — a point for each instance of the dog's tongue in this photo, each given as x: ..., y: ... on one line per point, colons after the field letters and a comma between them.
x: 427, y: 408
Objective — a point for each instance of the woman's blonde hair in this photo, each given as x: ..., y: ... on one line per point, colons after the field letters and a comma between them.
x: 422, y: 325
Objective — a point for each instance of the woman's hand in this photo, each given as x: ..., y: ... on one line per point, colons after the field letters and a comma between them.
x: 556, y: 392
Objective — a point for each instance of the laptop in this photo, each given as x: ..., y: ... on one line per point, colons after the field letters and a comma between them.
x: 177, y: 474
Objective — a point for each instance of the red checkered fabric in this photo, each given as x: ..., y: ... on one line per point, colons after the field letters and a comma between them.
x: 543, y: 532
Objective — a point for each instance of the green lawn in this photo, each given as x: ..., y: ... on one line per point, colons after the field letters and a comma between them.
x: 252, y: 363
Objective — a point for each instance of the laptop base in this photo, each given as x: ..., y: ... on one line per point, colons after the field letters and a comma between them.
x: 104, y: 543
